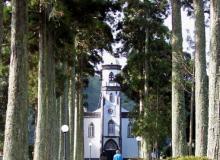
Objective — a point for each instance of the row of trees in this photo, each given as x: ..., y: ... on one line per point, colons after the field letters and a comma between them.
x: 139, y: 75
x: 54, y: 47
x: 204, y: 123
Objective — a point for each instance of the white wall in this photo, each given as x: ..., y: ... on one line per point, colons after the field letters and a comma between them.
x: 96, y: 140
x: 115, y: 116
x: 129, y: 145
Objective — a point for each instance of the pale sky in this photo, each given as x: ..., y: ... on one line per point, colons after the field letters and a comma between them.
x: 188, y: 28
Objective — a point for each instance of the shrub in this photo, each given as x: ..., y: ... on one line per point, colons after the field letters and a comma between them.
x: 188, y: 158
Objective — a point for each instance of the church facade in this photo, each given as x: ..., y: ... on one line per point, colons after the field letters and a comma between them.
x: 109, y: 127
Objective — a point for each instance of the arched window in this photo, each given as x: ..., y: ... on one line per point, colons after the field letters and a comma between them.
x: 130, y: 135
x: 111, y: 127
x: 118, y: 100
x: 111, y: 98
x: 111, y: 76
x: 91, y: 130
x: 103, y: 101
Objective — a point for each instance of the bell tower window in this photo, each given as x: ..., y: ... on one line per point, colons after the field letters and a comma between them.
x: 91, y: 130
x: 103, y: 101
x: 111, y: 97
x: 111, y: 76
x: 130, y: 135
x: 118, y: 100
x: 111, y: 127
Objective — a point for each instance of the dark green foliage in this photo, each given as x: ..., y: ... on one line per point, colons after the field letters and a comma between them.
x: 154, y: 123
x: 73, y: 24
x: 135, y: 23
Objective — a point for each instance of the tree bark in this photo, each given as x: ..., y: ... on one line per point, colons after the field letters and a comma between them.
x: 213, y: 124
x: 80, y: 134
x: 64, y: 119
x: 191, y: 128
x: 80, y: 130
x: 178, y: 101
x: 201, y: 83
x: 66, y: 109
x: 61, y: 122
x: 41, y: 141
x: 145, y: 143
x: 76, y: 118
x: 16, y: 127
x: 72, y: 93
x: 52, y: 127
x: 1, y: 27
x: 58, y: 102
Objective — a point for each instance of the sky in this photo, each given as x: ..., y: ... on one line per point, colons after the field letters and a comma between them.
x: 188, y: 28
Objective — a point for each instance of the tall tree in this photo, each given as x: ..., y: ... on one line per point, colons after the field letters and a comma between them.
x: 66, y: 108
x: 178, y: 101
x: 16, y: 128
x: 76, y: 130
x: 139, y: 43
x: 1, y: 26
x: 72, y: 95
x: 41, y: 141
x: 146, y: 146
x: 61, y: 122
x: 214, y: 81
x: 52, y: 126
x: 201, y: 83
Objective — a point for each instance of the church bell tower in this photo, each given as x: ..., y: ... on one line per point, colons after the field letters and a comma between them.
x: 111, y: 109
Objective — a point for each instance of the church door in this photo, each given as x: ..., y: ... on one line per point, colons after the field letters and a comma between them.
x: 110, y: 147
x: 110, y: 154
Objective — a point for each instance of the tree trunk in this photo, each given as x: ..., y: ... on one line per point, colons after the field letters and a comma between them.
x: 72, y: 93
x: 41, y: 141
x: 16, y: 127
x: 52, y: 127
x: 57, y: 148
x: 145, y: 144
x: 61, y: 122
x: 76, y: 107
x: 66, y: 109
x: 191, y: 128
x: 64, y: 119
x: 1, y: 27
x: 81, y: 110
x: 77, y: 136
x: 213, y: 124
x: 178, y: 101
x: 80, y: 129
x: 201, y: 83
x: 76, y: 119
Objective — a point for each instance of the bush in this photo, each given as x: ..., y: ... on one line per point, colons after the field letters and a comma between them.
x: 188, y: 158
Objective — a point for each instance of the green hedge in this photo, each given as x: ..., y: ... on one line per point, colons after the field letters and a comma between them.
x: 188, y: 158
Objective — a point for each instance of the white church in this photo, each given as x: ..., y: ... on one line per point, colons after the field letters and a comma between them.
x: 108, y: 128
